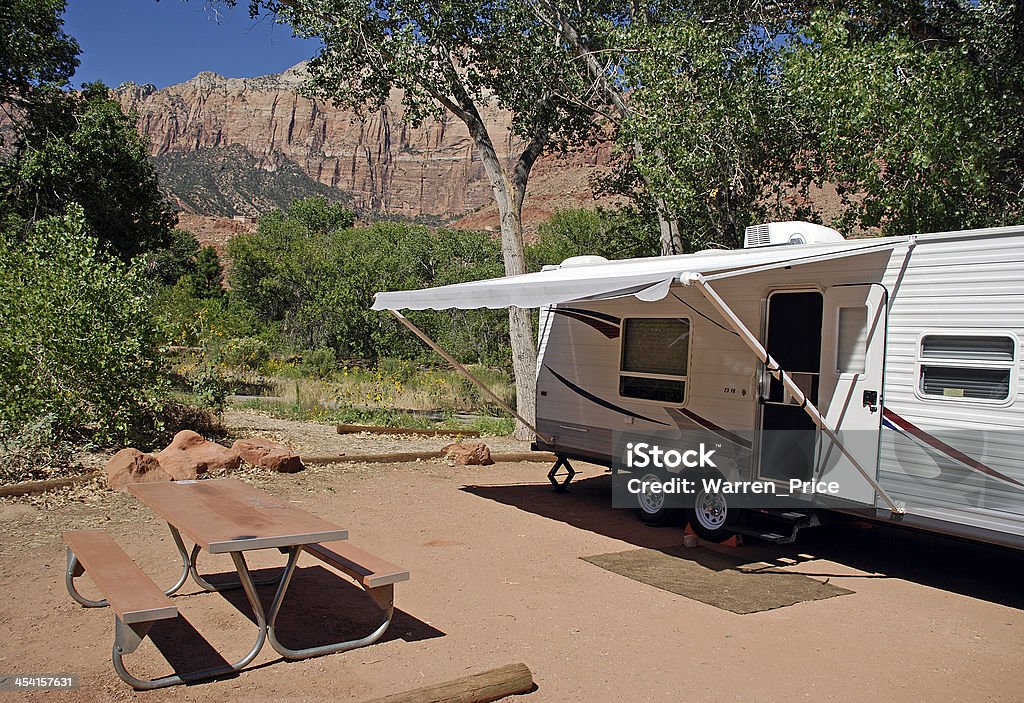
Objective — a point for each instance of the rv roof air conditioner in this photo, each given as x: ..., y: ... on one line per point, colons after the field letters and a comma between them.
x: 778, y: 233
x: 587, y: 260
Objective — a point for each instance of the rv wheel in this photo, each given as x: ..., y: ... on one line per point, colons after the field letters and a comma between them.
x: 711, y: 516
x: 651, y: 507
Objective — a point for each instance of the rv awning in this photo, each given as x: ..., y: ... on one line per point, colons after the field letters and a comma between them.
x: 647, y: 279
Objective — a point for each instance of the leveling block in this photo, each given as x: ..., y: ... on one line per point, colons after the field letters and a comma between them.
x: 734, y: 541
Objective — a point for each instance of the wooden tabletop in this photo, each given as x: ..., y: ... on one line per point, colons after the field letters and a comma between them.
x: 226, y: 515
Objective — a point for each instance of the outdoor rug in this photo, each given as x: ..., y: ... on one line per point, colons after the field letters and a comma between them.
x: 716, y: 579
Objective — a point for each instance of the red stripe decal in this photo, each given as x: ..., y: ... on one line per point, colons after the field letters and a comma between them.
x: 608, y: 330
x: 941, y: 446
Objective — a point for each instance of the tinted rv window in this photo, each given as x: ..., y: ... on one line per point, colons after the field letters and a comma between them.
x: 954, y: 382
x: 972, y: 367
x: 943, y: 346
x: 655, y: 357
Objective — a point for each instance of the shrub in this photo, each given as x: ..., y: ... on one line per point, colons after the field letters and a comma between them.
x: 33, y: 451
x: 76, y: 341
x: 312, y: 274
x: 210, y: 388
x: 246, y: 352
x: 618, y: 234
x: 319, y: 363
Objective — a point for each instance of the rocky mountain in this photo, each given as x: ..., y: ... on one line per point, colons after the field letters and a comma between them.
x: 239, y: 145
x: 231, y: 181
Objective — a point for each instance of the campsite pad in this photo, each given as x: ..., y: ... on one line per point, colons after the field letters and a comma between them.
x: 716, y: 579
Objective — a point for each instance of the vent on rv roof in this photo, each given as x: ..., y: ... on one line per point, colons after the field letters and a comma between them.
x: 583, y: 261
x: 776, y: 233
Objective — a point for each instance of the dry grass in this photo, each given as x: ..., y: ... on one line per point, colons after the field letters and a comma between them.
x: 395, y: 386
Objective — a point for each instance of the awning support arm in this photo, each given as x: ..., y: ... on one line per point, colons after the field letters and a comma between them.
x: 466, y: 374
x: 897, y: 508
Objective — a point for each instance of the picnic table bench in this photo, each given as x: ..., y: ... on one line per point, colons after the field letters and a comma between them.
x: 220, y: 516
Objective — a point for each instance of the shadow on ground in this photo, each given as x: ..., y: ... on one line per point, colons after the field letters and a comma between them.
x: 320, y: 608
x: 882, y: 551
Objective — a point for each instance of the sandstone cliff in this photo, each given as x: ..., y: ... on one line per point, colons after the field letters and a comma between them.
x: 383, y: 165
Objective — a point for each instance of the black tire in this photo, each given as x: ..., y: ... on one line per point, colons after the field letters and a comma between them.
x: 710, y: 515
x: 652, y: 511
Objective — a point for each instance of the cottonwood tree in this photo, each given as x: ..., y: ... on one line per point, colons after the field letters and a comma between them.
x: 455, y: 57
x: 34, y: 49
x: 80, y: 147
x: 684, y: 86
x: 914, y: 110
x: 716, y: 140
x: 595, y: 37
x: 730, y: 112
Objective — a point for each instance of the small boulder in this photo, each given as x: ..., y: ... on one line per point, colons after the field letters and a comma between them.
x: 475, y: 453
x: 188, y: 456
x: 265, y: 454
x: 132, y: 466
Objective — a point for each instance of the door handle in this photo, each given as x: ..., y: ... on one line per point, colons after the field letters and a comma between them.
x: 870, y: 399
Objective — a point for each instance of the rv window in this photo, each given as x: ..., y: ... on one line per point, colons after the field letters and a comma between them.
x: 660, y: 389
x: 655, y: 356
x: 852, y: 342
x: 970, y: 348
x: 978, y: 367
x: 957, y: 382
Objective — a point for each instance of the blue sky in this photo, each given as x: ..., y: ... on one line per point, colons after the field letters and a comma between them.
x: 170, y: 41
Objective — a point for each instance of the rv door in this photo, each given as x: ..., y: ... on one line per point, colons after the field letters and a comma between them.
x: 850, y: 391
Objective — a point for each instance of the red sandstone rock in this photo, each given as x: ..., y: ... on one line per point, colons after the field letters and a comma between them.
x: 189, y: 456
x: 261, y: 452
x: 476, y: 453
x: 132, y: 466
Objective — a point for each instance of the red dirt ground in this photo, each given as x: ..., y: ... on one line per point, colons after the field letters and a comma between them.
x: 496, y: 579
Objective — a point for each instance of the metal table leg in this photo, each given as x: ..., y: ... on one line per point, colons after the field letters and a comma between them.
x: 192, y: 568
x: 128, y: 637
x: 383, y: 596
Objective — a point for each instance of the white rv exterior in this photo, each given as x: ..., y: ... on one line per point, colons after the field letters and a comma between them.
x: 912, y: 341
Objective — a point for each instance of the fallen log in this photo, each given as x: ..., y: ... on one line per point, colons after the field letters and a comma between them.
x: 50, y: 484
x: 374, y: 429
x: 476, y: 688
x: 402, y: 457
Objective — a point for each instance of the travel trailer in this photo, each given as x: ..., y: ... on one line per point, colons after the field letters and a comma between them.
x: 900, y: 357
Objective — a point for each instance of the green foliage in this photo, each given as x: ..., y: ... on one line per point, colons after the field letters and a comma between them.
x: 614, y: 235
x: 920, y: 126
x: 308, y: 271
x: 34, y: 451
x: 81, y: 148
x: 182, y: 319
x: 209, y: 387
x: 708, y: 134
x: 246, y: 352
x: 494, y: 426
x: 178, y: 258
x: 204, y: 280
x: 34, y: 49
x: 76, y: 342
x: 728, y: 114
x: 320, y: 363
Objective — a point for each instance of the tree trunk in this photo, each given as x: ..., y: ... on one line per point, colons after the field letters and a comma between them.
x: 671, y: 242
x: 509, y: 199
x: 520, y: 327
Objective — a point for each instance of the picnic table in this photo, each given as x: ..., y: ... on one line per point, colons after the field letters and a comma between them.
x: 220, y: 516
